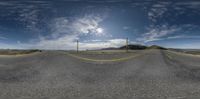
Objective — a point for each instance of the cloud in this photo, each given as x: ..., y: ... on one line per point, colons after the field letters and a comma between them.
x: 64, y: 42
x: 65, y: 32
x: 29, y: 18
x: 126, y: 27
x: 160, y: 10
x: 184, y: 36
x: 68, y: 42
x: 60, y: 26
x: 189, y: 4
x: 98, y: 44
x: 3, y: 3
x: 157, y: 33
x: 157, y: 11
x: 3, y: 38
x: 87, y: 25
x: 27, y: 13
x: 60, y: 32
x: 165, y: 32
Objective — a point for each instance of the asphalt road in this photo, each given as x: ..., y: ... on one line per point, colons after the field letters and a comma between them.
x: 151, y: 74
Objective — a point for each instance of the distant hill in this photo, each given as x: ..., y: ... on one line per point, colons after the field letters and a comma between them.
x: 156, y: 47
x: 136, y: 47
x: 110, y: 48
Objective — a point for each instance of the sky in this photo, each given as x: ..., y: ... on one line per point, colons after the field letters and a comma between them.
x: 58, y: 24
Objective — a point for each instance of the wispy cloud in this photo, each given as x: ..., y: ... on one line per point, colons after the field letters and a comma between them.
x: 65, y: 32
x: 162, y: 9
x: 166, y: 32
x: 85, y: 25
x: 64, y: 42
x: 26, y: 12
x: 157, y: 33
x: 184, y: 36
x: 98, y: 44
x: 4, y: 3
x: 126, y: 27
x: 156, y: 12
x: 189, y: 4
x: 3, y: 38
x: 69, y: 43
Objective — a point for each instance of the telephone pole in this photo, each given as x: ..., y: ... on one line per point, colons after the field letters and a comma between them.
x: 77, y: 46
x: 126, y: 44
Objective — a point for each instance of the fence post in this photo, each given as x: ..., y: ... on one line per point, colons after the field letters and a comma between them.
x: 126, y: 44
x: 77, y: 46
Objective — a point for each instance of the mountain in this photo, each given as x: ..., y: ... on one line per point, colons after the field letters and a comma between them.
x: 110, y: 48
x: 134, y: 47
x: 156, y: 47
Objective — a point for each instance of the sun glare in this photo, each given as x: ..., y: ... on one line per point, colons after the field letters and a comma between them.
x: 99, y: 30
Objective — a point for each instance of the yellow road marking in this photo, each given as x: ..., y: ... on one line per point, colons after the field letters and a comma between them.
x: 96, y: 60
x: 170, y: 57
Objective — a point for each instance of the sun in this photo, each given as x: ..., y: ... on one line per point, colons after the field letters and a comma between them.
x: 99, y: 30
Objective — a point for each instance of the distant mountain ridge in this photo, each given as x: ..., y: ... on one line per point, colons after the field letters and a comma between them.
x: 135, y: 47
x: 156, y: 47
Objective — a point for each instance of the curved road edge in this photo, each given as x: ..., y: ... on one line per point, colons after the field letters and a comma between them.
x: 181, y: 70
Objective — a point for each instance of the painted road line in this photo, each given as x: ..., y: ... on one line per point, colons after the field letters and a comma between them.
x: 109, y: 60
x: 168, y: 56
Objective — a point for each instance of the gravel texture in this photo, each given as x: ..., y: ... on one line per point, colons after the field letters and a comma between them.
x: 156, y: 74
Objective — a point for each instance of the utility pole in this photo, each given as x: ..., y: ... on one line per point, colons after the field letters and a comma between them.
x: 77, y: 47
x: 126, y: 44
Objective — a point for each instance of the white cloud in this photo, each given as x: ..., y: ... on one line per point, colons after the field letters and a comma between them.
x: 64, y: 42
x: 183, y: 36
x: 65, y: 32
x: 26, y: 12
x: 126, y: 27
x: 161, y: 9
x: 68, y: 42
x: 3, y: 3
x: 191, y: 4
x: 98, y: 44
x: 157, y: 33
x: 157, y: 12
x: 164, y: 32
x: 60, y: 26
x: 29, y: 17
x: 87, y: 25
x: 3, y: 38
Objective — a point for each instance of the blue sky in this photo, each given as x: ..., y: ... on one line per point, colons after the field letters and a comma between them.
x: 57, y: 24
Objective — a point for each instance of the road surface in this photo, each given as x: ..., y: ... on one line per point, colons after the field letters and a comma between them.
x: 150, y: 74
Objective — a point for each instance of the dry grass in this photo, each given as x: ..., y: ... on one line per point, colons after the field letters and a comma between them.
x: 193, y: 52
x: 17, y: 52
